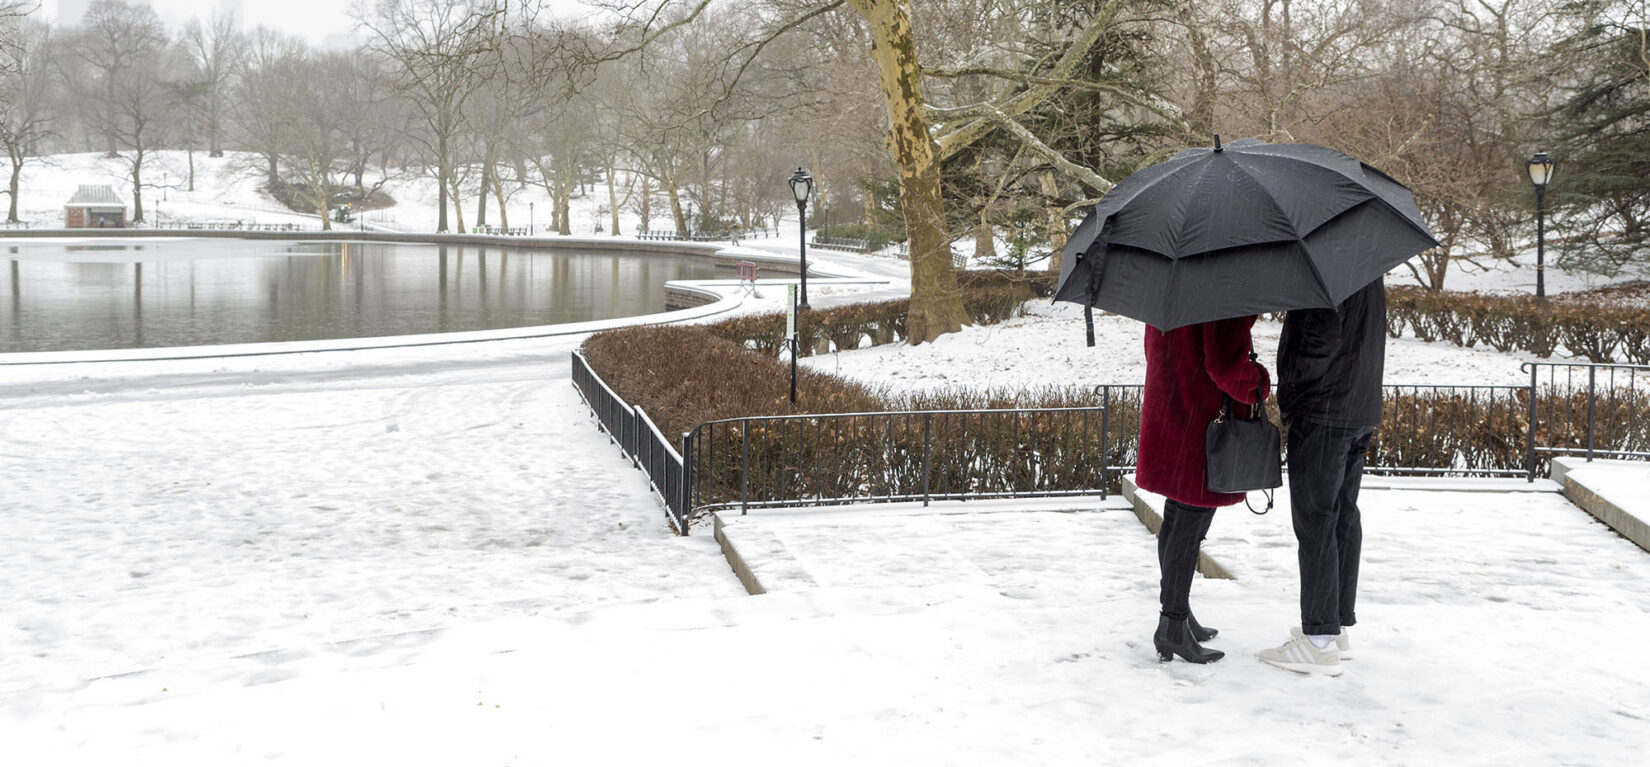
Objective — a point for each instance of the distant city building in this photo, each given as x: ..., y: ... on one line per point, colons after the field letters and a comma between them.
x: 94, y: 207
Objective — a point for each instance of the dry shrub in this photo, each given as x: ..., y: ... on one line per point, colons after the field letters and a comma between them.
x: 684, y: 376
x: 1599, y: 331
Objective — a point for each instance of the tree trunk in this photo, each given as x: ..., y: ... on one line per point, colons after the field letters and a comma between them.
x: 498, y: 194
x: 212, y: 127
x: 1056, y: 221
x: 936, y: 302
x: 137, y: 188
x: 458, y: 210
x: 612, y: 201
x: 320, y: 203
x: 985, y: 241
x: 441, y: 174
x: 488, y: 160
x: 676, y: 209
x: 16, y: 175
x: 191, y: 169
x: 646, y: 211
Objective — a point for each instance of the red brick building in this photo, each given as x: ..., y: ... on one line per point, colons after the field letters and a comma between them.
x: 94, y: 207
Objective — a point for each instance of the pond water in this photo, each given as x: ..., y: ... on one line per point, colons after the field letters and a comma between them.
x: 100, y: 294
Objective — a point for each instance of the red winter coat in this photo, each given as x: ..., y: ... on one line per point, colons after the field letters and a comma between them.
x: 1187, y: 371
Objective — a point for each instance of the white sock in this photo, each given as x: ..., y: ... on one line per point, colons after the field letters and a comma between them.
x: 1321, y: 641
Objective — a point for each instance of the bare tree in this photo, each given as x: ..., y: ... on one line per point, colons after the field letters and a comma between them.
x: 440, y: 49
x: 212, y: 49
x: 258, y: 129
x: 916, y: 147
x: 25, y: 91
x: 374, y: 119
x: 114, y: 41
x: 311, y: 106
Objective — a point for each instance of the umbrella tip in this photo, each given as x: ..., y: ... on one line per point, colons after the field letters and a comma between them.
x: 1217, y: 142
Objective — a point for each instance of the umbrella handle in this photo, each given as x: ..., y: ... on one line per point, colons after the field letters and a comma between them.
x: 1088, y: 320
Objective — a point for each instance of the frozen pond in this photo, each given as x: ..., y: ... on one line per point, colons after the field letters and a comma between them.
x: 123, y: 294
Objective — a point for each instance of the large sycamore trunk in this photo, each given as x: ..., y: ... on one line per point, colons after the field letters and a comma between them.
x: 936, y: 301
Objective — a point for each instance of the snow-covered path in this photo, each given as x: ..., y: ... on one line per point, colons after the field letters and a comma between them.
x: 235, y: 521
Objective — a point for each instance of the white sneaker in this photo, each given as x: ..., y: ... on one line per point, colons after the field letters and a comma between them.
x: 1341, y: 642
x: 1299, y: 654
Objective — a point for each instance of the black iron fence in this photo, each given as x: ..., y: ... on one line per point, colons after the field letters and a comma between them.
x: 641, y: 441
x: 801, y: 460
x: 1462, y: 431
x: 1587, y: 409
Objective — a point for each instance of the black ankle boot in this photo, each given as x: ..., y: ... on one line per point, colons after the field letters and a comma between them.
x: 1199, y: 632
x: 1174, y: 638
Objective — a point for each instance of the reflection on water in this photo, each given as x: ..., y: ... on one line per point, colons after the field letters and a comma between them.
x: 196, y: 292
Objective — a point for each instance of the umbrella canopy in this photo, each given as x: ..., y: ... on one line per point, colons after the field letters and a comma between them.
x: 1247, y: 228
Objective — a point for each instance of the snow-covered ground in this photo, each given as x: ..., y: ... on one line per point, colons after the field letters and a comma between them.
x: 429, y: 556
x: 227, y: 191
x: 1047, y: 348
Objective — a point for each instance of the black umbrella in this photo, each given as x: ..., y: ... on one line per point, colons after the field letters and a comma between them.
x: 1247, y: 228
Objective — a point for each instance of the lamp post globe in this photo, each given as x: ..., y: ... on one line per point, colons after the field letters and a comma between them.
x: 802, y: 186
x: 1540, y: 168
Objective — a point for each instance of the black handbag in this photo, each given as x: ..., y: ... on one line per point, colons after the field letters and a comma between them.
x: 1243, y: 454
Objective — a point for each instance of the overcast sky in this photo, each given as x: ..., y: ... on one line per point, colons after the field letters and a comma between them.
x: 312, y: 19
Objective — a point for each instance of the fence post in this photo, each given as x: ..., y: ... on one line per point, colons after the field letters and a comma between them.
x: 1105, y: 432
x: 1529, y: 457
x: 745, y: 473
x: 686, y: 513
x: 1104, y: 490
x: 927, y: 422
x: 1592, y: 397
x: 635, y: 427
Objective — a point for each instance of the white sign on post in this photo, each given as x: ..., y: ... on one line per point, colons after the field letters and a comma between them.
x: 790, y: 313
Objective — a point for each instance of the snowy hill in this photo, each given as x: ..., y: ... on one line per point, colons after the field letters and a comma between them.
x: 229, y: 188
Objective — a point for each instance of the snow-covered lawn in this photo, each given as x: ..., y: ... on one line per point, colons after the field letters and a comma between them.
x: 1047, y: 347
x: 227, y: 191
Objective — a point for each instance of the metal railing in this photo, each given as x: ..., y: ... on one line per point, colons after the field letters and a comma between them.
x: 731, y: 235
x: 1463, y: 431
x: 855, y: 244
x: 803, y: 460
x: 810, y: 460
x: 636, y: 435
x: 1587, y: 409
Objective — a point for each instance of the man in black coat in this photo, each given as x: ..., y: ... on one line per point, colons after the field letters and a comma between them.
x: 1330, y: 363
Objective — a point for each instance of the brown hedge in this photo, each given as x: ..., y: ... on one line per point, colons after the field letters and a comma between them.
x: 1596, y: 331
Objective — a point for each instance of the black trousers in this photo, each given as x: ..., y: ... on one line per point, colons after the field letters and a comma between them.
x: 1178, y: 541
x: 1326, y: 468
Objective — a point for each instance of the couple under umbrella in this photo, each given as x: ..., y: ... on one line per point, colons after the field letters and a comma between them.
x: 1196, y: 247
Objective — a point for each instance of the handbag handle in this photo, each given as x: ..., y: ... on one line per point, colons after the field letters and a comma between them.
x: 1255, y: 409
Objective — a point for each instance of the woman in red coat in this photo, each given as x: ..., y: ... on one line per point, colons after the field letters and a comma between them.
x: 1189, y: 373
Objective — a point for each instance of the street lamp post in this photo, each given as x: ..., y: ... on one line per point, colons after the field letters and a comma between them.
x: 1541, y: 173
x: 802, y: 185
x: 529, y: 218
